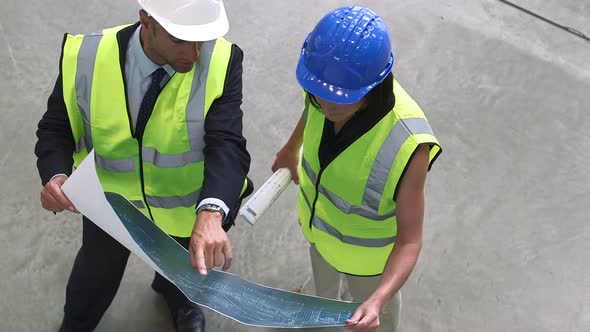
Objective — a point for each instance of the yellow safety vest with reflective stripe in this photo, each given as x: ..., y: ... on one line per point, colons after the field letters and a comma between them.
x: 163, y: 175
x: 346, y: 208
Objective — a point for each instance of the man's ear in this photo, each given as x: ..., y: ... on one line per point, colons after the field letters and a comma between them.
x: 144, y: 19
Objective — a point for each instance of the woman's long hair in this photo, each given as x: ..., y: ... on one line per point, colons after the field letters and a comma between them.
x: 381, y: 98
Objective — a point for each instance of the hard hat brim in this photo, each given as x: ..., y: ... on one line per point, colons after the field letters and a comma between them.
x: 196, y: 33
x: 329, y: 92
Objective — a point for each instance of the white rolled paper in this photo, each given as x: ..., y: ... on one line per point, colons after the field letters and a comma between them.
x: 265, y: 196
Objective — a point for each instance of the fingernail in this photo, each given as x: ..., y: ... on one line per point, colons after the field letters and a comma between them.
x: 203, y: 272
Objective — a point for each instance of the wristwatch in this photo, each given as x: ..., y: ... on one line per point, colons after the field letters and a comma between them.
x: 212, y: 207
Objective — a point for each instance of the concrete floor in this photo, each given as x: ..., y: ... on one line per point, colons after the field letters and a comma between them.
x: 507, y: 241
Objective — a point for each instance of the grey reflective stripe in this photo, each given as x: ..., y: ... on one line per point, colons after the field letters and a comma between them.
x: 126, y: 165
x: 398, y: 135
x: 172, y: 202
x: 379, y: 173
x: 195, y: 120
x: 342, y: 205
x: 81, y: 145
x: 138, y: 204
x: 195, y: 109
x: 309, y: 171
x: 305, y: 198
x: 363, y: 210
x: 364, y: 242
x: 84, y: 76
x: 162, y: 160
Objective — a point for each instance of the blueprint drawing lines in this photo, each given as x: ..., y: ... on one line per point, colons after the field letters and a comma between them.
x: 244, y: 301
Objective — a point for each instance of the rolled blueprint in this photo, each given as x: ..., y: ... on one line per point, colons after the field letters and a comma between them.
x: 265, y: 196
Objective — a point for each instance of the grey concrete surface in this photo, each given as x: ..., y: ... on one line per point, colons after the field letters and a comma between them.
x: 506, y: 242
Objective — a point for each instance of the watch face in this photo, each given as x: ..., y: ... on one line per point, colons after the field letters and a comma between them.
x: 212, y: 207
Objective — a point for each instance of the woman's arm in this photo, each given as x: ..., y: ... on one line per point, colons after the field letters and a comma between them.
x: 288, y: 156
x: 403, y: 257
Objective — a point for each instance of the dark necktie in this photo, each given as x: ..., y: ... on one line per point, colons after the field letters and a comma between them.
x: 148, y: 102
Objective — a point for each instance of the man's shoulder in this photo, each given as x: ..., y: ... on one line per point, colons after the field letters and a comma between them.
x: 123, y: 30
x: 234, y: 46
x: 235, y: 52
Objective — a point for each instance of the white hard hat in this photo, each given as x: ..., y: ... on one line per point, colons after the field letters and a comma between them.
x: 190, y: 20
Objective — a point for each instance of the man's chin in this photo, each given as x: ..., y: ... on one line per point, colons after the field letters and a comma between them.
x: 183, y: 67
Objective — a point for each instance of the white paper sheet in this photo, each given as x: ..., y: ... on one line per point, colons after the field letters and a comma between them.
x: 83, y: 189
x: 239, y: 299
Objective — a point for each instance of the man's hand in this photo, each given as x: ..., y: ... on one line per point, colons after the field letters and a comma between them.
x: 366, y: 317
x: 53, y: 198
x: 209, y: 245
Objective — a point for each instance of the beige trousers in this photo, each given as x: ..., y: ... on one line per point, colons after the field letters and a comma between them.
x: 330, y: 283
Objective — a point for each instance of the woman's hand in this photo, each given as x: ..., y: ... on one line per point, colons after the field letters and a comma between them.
x: 366, y: 317
x: 288, y: 157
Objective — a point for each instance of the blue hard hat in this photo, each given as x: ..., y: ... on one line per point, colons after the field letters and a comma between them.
x: 345, y: 56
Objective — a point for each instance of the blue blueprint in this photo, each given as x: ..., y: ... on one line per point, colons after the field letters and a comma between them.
x: 225, y: 293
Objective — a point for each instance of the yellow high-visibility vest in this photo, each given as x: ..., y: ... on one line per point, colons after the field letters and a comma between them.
x: 346, y: 209
x: 163, y: 175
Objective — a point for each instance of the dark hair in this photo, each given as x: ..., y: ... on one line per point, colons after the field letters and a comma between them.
x: 380, y: 99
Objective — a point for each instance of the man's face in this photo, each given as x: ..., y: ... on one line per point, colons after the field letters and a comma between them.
x: 179, y: 54
x: 163, y: 48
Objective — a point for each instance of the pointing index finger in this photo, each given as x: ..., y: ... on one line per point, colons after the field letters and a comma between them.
x: 200, y: 259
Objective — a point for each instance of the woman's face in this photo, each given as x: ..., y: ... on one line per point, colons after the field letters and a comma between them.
x: 337, y: 112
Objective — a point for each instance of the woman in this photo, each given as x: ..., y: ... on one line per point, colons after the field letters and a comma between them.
x: 367, y: 148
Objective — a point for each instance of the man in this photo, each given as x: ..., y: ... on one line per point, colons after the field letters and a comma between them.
x: 159, y: 102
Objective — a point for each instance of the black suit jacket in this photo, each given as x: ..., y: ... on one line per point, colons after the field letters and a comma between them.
x: 226, y: 159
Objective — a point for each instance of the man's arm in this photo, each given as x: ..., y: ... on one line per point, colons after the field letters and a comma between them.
x: 226, y: 164
x: 55, y: 144
x: 226, y: 159
x: 54, y: 150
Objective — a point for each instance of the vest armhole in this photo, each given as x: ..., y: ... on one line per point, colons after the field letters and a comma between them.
x: 418, y: 145
x: 232, y: 54
x: 61, y: 76
x: 438, y: 152
x: 61, y: 56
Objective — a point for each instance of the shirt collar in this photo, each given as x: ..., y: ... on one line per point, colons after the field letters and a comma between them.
x: 146, y: 65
